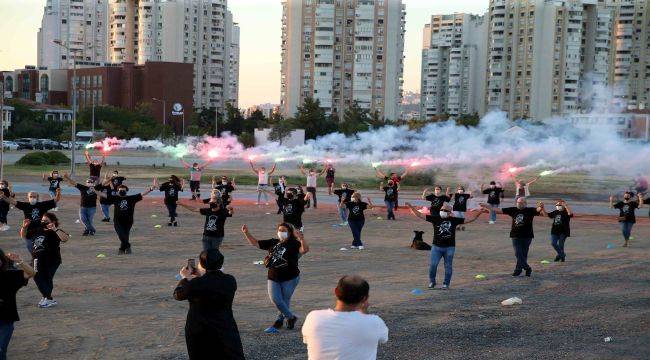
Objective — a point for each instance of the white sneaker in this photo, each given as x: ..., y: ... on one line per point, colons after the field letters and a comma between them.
x: 55, y: 209
x: 431, y: 286
x: 41, y: 302
x: 344, y: 223
x: 360, y: 247
x: 354, y: 247
x: 445, y: 287
x: 47, y: 304
x: 491, y: 222
x: 4, y: 228
x: 267, y: 204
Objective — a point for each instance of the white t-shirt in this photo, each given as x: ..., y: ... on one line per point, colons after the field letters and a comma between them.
x: 337, y: 335
x: 262, y: 178
x: 311, y: 180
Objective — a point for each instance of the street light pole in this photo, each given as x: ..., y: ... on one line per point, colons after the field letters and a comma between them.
x: 73, y: 141
x: 164, y: 103
x: 2, y: 125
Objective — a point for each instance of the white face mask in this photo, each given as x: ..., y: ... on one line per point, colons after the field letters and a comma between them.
x: 33, y: 201
x: 521, y: 205
x: 2, y: 186
x: 224, y: 182
x: 444, y: 214
x: 283, y: 235
x: 55, y: 175
x: 461, y: 191
x: 559, y: 208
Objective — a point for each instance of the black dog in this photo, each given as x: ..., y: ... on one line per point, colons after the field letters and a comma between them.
x: 418, y: 243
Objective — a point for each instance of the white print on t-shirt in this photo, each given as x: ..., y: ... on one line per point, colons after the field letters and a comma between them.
x: 444, y: 230
x: 212, y: 223
x: 124, y: 205
x: 436, y: 202
x: 461, y: 199
x: 288, y: 209
x: 38, y: 243
x: 90, y: 191
x: 356, y: 210
x: 389, y: 192
x: 171, y: 191
x: 277, y: 257
x: 519, y: 220
x: 626, y: 209
x: 36, y: 214
x: 557, y: 220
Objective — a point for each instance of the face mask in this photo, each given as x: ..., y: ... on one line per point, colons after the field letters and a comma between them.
x: 122, y: 192
x: 224, y: 182
x: 2, y: 186
x: 461, y: 191
x: 344, y: 187
x: 55, y: 175
x: 492, y: 186
x: 89, y: 184
x: 115, y: 174
x: 444, y: 214
x: 559, y: 207
x: 521, y: 205
x: 283, y: 235
x: 436, y: 192
x: 33, y: 201
x: 627, y: 198
x: 45, y: 223
x: 214, y: 205
x: 289, y: 196
x: 356, y: 199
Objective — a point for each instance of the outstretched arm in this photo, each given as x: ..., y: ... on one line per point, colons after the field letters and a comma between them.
x: 639, y: 200
x: 611, y: 201
x: 87, y: 156
x: 9, y: 200
x: 404, y: 173
x: 424, y: 192
x: 568, y: 209
x: 249, y: 237
x: 69, y: 180
x: 323, y: 171
x: 415, y: 212
x: 381, y: 186
x: 447, y: 191
x: 253, y: 167
x: 146, y: 192
x: 478, y: 213
x: 57, y: 197
x: 185, y: 164
x: 304, y: 247
x: 496, y: 210
x: 379, y: 173
x: 273, y: 168
x: 532, y: 181
x: 302, y: 169
x: 188, y: 207
x: 103, y: 158
x: 540, y: 209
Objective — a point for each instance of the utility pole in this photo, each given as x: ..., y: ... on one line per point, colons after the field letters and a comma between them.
x: 73, y: 142
x: 2, y: 125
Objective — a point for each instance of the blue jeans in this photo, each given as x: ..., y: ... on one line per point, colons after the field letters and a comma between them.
x: 29, y: 244
x: 626, y: 229
x: 438, y: 253
x: 521, y: 246
x: 557, y: 240
x: 280, y: 294
x: 106, y: 210
x: 493, y: 214
x: 343, y: 213
x: 6, y: 330
x: 356, y: 226
x: 211, y: 242
x: 86, y: 215
x: 390, y: 205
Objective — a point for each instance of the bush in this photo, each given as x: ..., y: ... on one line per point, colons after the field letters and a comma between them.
x: 57, y: 157
x: 43, y: 158
x: 420, y: 179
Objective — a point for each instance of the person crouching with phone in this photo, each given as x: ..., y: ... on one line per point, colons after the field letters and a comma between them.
x: 210, y: 327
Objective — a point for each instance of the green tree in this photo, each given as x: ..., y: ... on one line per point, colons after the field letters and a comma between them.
x: 468, y: 120
x: 355, y: 119
x: 311, y: 117
x: 202, y: 122
x: 247, y: 139
x: 234, y: 122
x: 281, y: 130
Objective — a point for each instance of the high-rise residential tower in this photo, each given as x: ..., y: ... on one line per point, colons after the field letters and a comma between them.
x: 343, y: 51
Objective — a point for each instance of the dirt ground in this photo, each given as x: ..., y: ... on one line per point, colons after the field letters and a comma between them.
x: 121, y: 307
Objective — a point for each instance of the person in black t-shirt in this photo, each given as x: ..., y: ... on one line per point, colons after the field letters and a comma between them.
x: 33, y: 210
x: 356, y: 218
x: 88, y: 206
x: 345, y: 195
x: 293, y: 206
x: 521, y: 231
x: 54, y: 181
x: 329, y: 177
x: 459, y: 207
x: 436, y: 198
x: 561, y: 228
x: 46, y: 252
x: 626, y: 216
x: 283, y: 274
x: 280, y: 188
x: 116, y: 179
x: 215, y: 218
x: 396, y: 179
x: 6, y: 192
x: 495, y: 194
x: 106, y: 201
x: 210, y: 328
x: 171, y: 188
x: 226, y: 187
x: 444, y: 240
x: 14, y: 274
x: 94, y: 165
x: 390, y: 197
x: 124, y: 207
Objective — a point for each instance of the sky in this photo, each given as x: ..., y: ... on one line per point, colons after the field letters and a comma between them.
x: 260, y: 25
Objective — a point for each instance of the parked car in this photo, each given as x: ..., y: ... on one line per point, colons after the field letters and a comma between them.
x: 47, y: 144
x: 9, y: 145
x: 26, y: 143
x: 68, y: 145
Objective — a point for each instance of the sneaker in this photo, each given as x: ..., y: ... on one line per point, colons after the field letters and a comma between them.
x: 360, y: 247
x: 41, y: 302
x: 563, y: 258
x: 55, y: 209
x: 516, y: 272
x: 175, y: 223
x: 120, y: 252
x: 431, y: 286
x: 345, y: 223
x: 445, y: 287
x: 127, y: 251
x: 529, y: 271
x: 278, y: 324
x: 4, y: 228
x: 491, y: 222
x: 354, y: 247
x: 85, y: 233
x: 271, y: 330
x: 47, y: 304
x: 91, y: 233
x: 557, y: 258
x: 169, y: 223
x: 106, y: 219
x: 291, y: 323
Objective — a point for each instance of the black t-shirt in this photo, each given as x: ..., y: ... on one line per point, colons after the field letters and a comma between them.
x: 35, y: 212
x: 494, y: 195
x: 117, y: 180
x: 390, y: 193
x: 344, y: 192
x: 437, y: 202
x: 522, y: 221
x: 460, y: 202
x: 88, y: 196
x: 171, y: 191
x: 283, y: 258
x: 95, y: 170
x: 330, y: 173
x: 292, y: 210
x: 12, y: 280
x: 3, y: 204
x: 46, y: 246
x: 55, y: 183
x: 444, y: 230
x: 108, y: 190
x: 561, y: 222
x: 225, y: 191
x: 124, y: 207
x: 626, y: 211
x: 356, y: 210
x: 214, y: 221
x: 279, y: 190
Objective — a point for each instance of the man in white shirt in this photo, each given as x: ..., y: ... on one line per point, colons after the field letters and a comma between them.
x: 346, y: 332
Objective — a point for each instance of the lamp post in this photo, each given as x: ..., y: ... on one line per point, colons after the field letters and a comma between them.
x: 2, y: 125
x: 164, y: 104
x: 73, y: 147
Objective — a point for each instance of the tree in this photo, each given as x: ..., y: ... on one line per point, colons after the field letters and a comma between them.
x: 311, y: 117
x: 468, y: 120
x: 281, y: 130
x: 202, y: 122
x: 234, y: 122
x: 247, y: 139
x: 355, y: 119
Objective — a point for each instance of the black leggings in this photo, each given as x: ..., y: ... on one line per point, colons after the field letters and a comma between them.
x: 195, y: 188
x: 44, y: 278
x: 171, y: 209
x: 312, y: 191
x: 4, y: 210
x: 123, y: 231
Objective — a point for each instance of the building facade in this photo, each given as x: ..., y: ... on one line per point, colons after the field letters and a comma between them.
x: 453, y: 65
x: 200, y: 32
x: 342, y: 51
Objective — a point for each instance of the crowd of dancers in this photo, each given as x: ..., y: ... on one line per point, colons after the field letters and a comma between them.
x: 447, y: 212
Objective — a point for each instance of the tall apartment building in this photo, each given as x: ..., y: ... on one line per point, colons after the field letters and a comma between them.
x: 200, y: 32
x: 82, y: 24
x: 453, y: 65
x: 631, y: 69
x: 341, y: 51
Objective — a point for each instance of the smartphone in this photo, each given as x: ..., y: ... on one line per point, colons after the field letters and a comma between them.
x: 191, y: 265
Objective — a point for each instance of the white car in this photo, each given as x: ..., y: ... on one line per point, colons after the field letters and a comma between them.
x: 9, y: 145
